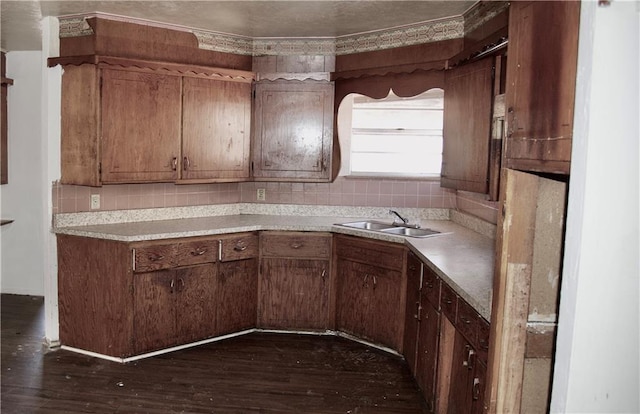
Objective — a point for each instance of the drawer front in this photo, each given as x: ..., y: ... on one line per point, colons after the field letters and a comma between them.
x: 467, y: 322
x: 387, y: 255
x: 448, y: 302
x: 238, y: 247
x: 431, y: 287
x: 174, y: 254
x: 483, y: 339
x: 310, y: 245
x: 370, y: 272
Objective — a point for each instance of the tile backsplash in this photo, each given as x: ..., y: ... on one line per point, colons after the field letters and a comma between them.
x: 343, y: 191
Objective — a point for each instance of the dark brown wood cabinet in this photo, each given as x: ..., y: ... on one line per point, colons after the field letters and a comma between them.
x: 121, y: 299
x: 237, y: 288
x: 129, y: 121
x: 468, y: 95
x: 140, y: 130
x: 216, y: 127
x: 371, y: 288
x: 541, y: 82
x: 173, y: 307
x: 412, y: 310
x: 429, y: 335
x: 295, y: 280
x: 293, y: 130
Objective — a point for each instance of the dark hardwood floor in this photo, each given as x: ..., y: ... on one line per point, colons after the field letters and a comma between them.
x: 255, y: 373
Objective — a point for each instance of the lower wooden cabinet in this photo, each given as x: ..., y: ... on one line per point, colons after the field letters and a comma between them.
x: 412, y: 310
x: 427, y: 353
x: 371, y: 290
x: 237, y: 292
x: 295, y: 280
x: 173, y: 307
x: 121, y: 299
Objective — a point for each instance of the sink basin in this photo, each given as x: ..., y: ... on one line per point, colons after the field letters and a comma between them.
x: 389, y: 228
x: 368, y: 225
x: 411, y: 232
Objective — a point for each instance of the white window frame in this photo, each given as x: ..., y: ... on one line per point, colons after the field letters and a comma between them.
x: 345, y: 132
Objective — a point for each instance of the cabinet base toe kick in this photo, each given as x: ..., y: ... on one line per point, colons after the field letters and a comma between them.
x: 125, y: 360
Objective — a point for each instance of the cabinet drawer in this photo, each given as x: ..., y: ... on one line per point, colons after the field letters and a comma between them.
x: 311, y: 245
x: 448, y: 302
x: 431, y: 287
x: 174, y: 254
x: 483, y: 339
x: 387, y: 255
x: 371, y: 272
x: 238, y: 247
x: 467, y: 322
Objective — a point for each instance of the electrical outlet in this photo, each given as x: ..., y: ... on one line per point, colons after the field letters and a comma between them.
x: 95, y: 201
x: 261, y: 194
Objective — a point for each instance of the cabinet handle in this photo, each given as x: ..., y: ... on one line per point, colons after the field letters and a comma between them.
x: 476, y: 389
x: 511, y: 122
x: 240, y: 248
x: 174, y: 164
x: 470, y: 359
x: 375, y: 282
x: 364, y: 281
x: 219, y: 250
x: 186, y: 163
x: 181, y: 284
x: 198, y: 252
x: 418, y: 311
x: 324, y: 273
x: 465, y: 321
x: 296, y: 245
x: 154, y: 257
x: 171, y: 286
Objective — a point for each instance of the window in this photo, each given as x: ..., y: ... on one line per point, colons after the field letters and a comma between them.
x: 396, y: 136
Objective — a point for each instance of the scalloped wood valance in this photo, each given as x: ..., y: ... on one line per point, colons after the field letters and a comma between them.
x: 176, y: 69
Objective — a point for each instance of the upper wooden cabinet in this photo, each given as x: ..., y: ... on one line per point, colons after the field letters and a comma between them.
x: 216, y: 128
x: 293, y: 130
x: 140, y: 115
x: 541, y: 81
x: 467, y: 126
x: 127, y: 121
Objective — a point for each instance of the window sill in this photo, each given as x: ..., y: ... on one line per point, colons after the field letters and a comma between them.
x: 391, y: 177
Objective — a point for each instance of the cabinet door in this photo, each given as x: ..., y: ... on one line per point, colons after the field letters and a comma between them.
x: 140, y: 126
x: 293, y: 130
x: 195, y: 303
x: 460, y: 391
x: 294, y: 293
x: 154, y: 321
x: 237, y: 296
x: 412, y: 310
x: 385, y: 309
x: 215, y: 129
x: 427, y: 355
x: 353, y: 298
x: 541, y: 80
x: 467, y: 126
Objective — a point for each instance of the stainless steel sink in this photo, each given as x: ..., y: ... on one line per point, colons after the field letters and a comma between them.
x: 390, y: 228
x: 411, y: 232
x: 368, y: 225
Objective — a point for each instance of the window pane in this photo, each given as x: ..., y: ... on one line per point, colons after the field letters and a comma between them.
x: 397, y: 135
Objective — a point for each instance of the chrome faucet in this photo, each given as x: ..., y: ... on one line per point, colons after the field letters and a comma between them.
x: 404, y: 220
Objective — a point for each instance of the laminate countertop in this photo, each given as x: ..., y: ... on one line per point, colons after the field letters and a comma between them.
x: 463, y: 258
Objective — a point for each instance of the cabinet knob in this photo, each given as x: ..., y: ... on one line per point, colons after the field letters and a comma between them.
x: 154, y: 257
x: 240, y: 247
x: 198, y: 252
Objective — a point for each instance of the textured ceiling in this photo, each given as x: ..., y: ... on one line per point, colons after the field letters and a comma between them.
x: 20, y: 25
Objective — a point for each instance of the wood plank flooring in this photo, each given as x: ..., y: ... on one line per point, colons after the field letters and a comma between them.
x: 255, y: 373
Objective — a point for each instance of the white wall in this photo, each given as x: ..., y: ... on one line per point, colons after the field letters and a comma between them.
x: 597, y: 357
x: 23, y: 265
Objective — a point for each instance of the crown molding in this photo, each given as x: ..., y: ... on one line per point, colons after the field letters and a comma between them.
x: 414, y: 34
